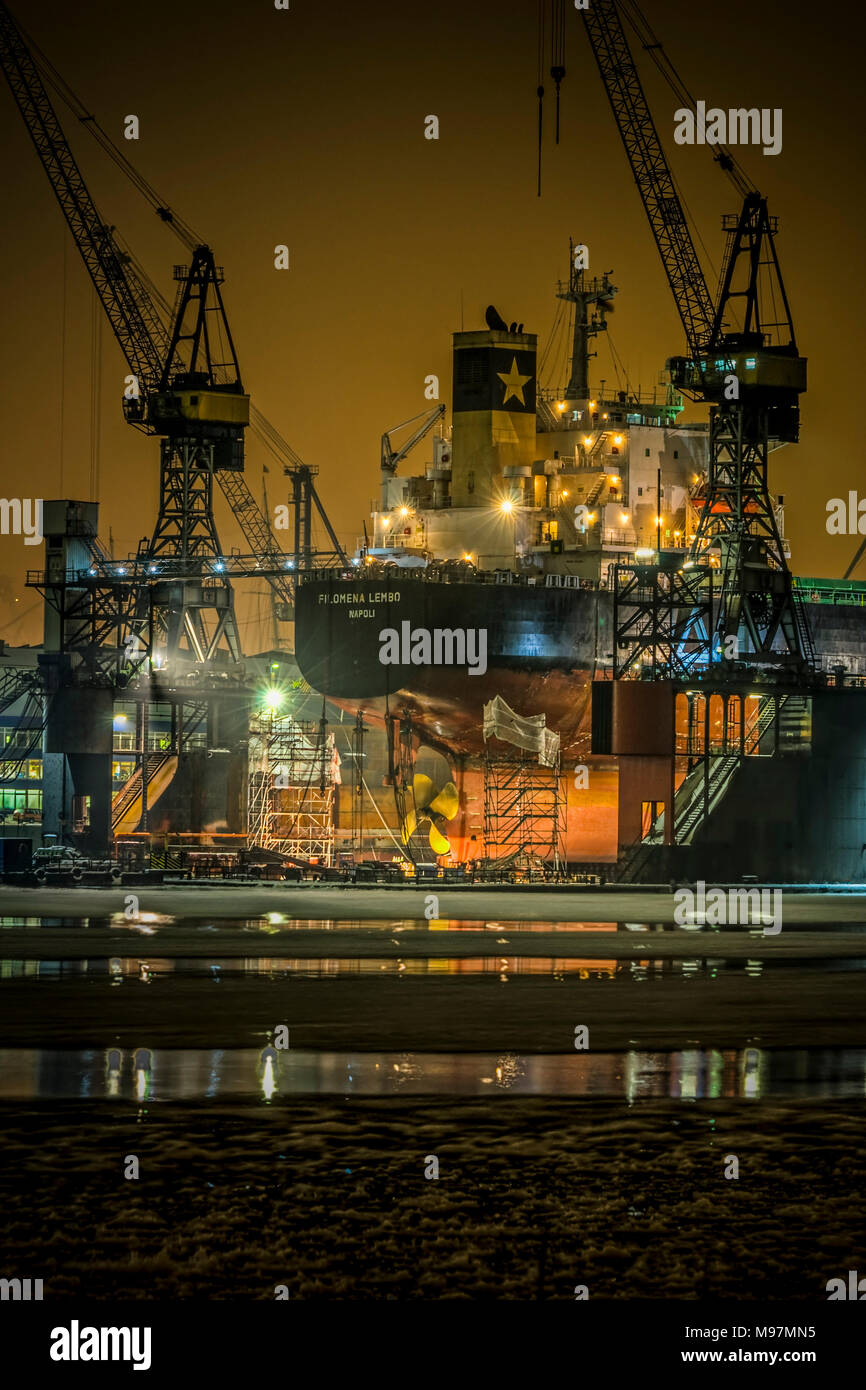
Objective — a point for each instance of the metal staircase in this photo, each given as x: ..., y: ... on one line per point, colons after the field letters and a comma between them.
x: 128, y: 798
x: 795, y: 723
x: 695, y: 800
x: 596, y: 490
x: 635, y: 859
x: 804, y: 632
x: 759, y: 724
x: 712, y: 777
x: 17, y: 683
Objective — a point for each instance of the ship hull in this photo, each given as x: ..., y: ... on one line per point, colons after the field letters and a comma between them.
x: 543, y: 646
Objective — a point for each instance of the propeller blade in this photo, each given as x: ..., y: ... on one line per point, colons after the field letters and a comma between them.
x: 438, y: 843
x: 447, y: 803
x: 408, y: 828
x: 423, y: 790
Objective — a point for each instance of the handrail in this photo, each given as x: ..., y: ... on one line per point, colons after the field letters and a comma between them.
x: 414, y: 574
x: 131, y: 789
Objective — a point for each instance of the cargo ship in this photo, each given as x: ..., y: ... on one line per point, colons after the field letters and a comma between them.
x: 510, y: 531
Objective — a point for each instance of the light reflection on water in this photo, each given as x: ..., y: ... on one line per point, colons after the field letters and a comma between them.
x: 198, y: 1073
x: 273, y: 923
x: 147, y: 969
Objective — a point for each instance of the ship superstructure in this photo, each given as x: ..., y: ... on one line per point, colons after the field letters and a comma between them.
x: 561, y: 481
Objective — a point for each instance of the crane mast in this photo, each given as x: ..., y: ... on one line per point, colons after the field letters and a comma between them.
x: 139, y: 330
x: 742, y: 359
x: 184, y: 386
x: 651, y: 172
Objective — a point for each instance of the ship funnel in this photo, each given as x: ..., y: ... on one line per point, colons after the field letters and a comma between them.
x: 493, y: 413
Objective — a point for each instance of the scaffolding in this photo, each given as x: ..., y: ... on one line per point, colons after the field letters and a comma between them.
x: 524, y: 806
x: 294, y: 772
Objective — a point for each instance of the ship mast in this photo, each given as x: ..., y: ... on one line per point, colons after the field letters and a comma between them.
x: 585, y: 295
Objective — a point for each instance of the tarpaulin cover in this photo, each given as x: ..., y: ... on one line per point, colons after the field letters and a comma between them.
x: 523, y: 731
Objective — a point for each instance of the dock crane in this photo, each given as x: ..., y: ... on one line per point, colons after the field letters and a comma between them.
x: 184, y: 386
x: 742, y: 359
x: 391, y: 457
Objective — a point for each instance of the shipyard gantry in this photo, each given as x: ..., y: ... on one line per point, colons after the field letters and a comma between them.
x: 685, y: 669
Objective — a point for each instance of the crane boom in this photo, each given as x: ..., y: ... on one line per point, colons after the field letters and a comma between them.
x: 391, y: 458
x: 651, y: 172
x: 142, y: 335
x: 743, y: 361
x: 137, y: 316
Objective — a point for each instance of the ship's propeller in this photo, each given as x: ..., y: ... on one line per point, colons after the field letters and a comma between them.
x: 434, y: 807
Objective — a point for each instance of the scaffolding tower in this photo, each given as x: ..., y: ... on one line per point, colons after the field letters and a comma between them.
x: 294, y: 772
x: 524, y: 806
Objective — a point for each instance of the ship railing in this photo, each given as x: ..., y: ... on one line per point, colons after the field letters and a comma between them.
x: 400, y: 575
x: 832, y: 591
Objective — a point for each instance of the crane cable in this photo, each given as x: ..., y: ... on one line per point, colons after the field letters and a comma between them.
x: 557, y: 51
x: 267, y: 433
x: 539, y: 91
x: 181, y: 228
x: 95, y: 390
x: 652, y: 45
x: 62, y: 391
